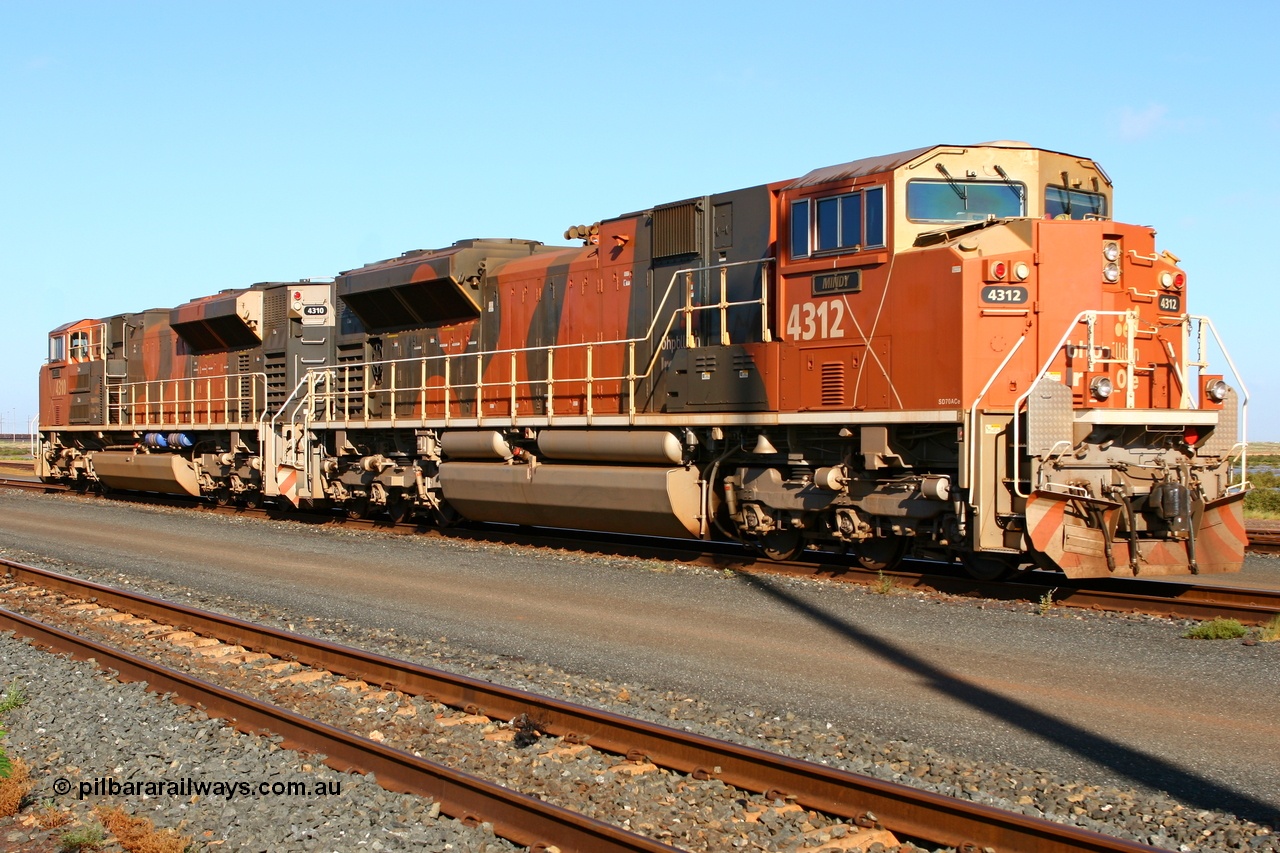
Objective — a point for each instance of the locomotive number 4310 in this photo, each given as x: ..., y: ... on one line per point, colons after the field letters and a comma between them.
x: 823, y: 320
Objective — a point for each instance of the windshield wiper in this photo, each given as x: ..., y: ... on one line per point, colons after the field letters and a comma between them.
x: 959, y: 190
x: 1017, y: 188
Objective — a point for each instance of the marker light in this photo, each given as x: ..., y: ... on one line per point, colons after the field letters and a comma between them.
x: 1166, y: 280
x: 997, y: 270
x: 1021, y: 271
x: 1100, y: 387
x: 1217, y: 390
x: 1111, y: 251
x: 1179, y: 280
x: 1111, y: 272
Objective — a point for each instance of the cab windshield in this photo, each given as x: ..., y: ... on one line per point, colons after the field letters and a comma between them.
x: 1074, y: 204
x: 965, y: 201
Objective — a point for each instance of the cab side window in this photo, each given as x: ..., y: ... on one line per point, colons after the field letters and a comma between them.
x: 79, y: 345
x: 848, y: 222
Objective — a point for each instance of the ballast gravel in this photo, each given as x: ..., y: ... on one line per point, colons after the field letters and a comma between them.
x: 1138, y: 815
x: 90, y: 740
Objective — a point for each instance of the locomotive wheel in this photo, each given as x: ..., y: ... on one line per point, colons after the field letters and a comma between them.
x: 990, y: 567
x: 221, y: 496
x: 357, y: 508
x: 881, y: 554
x: 781, y: 545
x: 398, y: 510
x: 444, y: 515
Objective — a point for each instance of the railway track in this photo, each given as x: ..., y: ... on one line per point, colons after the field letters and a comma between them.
x: 1181, y: 600
x: 1264, y: 540
x: 866, y: 803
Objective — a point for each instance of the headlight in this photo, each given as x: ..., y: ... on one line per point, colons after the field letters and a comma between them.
x: 1111, y: 272
x: 1217, y: 390
x: 1111, y: 251
x: 1100, y: 387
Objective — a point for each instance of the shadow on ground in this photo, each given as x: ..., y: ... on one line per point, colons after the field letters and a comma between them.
x: 1148, y: 770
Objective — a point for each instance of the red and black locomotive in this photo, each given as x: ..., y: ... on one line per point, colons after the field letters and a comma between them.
x: 953, y: 351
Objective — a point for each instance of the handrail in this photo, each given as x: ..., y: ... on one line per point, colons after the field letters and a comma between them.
x: 301, y: 444
x: 628, y: 346
x: 974, y: 437
x: 88, y: 351
x: 1090, y: 318
x: 126, y: 408
x: 1203, y: 321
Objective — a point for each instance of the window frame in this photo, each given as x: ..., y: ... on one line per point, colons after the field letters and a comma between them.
x: 58, y: 342
x: 1068, y: 191
x: 78, y: 345
x: 1020, y: 185
x: 868, y: 197
x: 808, y: 228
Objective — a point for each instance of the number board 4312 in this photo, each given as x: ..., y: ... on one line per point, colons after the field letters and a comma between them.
x: 1002, y: 294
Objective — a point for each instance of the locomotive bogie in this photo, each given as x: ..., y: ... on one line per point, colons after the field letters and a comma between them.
x: 953, y: 351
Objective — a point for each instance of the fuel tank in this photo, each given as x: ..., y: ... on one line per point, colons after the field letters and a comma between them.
x: 623, y: 499
x: 146, y: 472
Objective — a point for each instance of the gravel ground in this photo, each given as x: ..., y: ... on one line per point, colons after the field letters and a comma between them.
x: 82, y: 727
x: 1139, y: 812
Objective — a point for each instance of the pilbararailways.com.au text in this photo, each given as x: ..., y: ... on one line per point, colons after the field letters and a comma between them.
x: 187, y: 787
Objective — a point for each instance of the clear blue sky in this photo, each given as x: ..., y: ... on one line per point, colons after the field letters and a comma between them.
x: 152, y: 152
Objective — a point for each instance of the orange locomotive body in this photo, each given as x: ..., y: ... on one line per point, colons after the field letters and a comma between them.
x: 952, y: 351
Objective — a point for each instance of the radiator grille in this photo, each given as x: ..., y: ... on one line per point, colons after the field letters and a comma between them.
x: 833, y: 383
x: 275, y: 366
x: 675, y: 230
x: 273, y: 308
x: 246, y: 389
x: 349, y: 384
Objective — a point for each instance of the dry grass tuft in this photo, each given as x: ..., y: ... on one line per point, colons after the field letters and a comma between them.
x: 49, y: 816
x: 14, y: 788
x: 139, y: 835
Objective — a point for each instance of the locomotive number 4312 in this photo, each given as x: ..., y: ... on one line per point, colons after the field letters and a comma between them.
x: 1004, y: 295
x: 823, y: 320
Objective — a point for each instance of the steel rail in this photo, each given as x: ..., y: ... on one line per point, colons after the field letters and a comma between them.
x: 1260, y: 539
x: 1263, y: 540
x: 32, y: 485
x: 903, y: 810
x: 1182, y: 600
x: 1158, y: 597
x: 520, y: 818
x: 1177, y: 599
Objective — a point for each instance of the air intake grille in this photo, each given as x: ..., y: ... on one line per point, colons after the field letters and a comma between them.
x: 273, y: 307
x: 833, y: 383
x: 675, y: 230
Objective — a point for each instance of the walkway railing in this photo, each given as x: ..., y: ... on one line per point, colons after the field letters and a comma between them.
x: 233, y: 398
x: 436, y: 387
